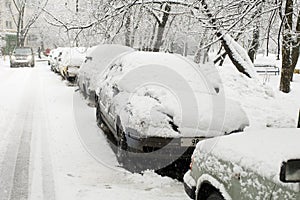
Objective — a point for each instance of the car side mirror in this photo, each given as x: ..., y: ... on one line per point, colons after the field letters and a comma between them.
x: 290, y: 171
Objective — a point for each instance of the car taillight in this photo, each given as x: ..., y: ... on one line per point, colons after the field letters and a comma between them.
x: 192, y: 162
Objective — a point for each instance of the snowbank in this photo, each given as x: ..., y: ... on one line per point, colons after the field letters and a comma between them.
x: 264, y: 107
x: 267, y: 60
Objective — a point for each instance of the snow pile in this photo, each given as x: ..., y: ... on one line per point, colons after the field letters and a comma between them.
x: 261, y: 152
x: 151, y: 179
x: 4, y: 62
x: 161, y: 94
x: 263, y: 107
x: 98, y: 58
x: 270, y: 60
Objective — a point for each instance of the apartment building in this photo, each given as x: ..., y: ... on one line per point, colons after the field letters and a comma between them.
x: 6, y: 20
x: 8, y: 28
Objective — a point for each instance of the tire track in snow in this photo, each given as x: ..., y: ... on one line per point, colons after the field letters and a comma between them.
x: 15, y: 169
x: 47, y: 169
x: 14, y: 174
x: 20, y: 186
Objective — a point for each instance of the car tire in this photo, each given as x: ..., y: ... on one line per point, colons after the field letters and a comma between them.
x: 98, y: 115
x: 122, y: 148
x: 215, y: 196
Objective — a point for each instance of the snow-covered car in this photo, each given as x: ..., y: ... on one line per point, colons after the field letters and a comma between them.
x: 97, y: 59
x: 54, y: 57
x: 261, y: 164
x: 160, y: 104
x: 70, y: 61
x: 22, y: 56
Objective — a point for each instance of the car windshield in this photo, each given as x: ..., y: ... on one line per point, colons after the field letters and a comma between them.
x: 22, y: 51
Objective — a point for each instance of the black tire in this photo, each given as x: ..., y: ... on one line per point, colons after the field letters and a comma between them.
x: 215, y: 196
x: 122, y: 148
x: 98, y: 115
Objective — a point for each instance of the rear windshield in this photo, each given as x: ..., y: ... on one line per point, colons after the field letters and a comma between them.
x: 22, y: 51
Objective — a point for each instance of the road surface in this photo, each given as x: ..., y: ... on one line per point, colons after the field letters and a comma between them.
x: 42, y: 153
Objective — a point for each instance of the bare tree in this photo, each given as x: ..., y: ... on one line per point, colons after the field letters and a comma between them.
x: 290, y: 46
x: 24, y: 20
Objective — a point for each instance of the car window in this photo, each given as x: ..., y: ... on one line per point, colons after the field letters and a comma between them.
x: 23, y: 51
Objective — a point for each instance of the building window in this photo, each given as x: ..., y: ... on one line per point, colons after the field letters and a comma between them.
x: 8, y: 24
x: 7, y: 4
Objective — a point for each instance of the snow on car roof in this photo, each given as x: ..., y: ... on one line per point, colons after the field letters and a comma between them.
x: 261, y: 151
x: 73, y: 56
x: 98, y: 58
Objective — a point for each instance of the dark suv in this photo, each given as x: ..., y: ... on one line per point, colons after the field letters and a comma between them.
x: 22, y: 56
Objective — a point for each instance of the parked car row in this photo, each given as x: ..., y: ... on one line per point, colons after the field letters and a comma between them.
x: 66, y: 61
x: 144, y: 118
x: 162, y: 108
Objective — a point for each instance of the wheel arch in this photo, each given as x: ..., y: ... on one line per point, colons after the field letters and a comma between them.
x: 209, y: 183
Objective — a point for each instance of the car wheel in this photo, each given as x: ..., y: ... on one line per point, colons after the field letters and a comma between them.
x: 122, y: 148
x: 98, y: 115
x: 215, y: 196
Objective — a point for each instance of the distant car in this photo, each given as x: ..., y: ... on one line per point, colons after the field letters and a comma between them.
x: 47, y: 52
x: 22, y: 56
x: 251, y: 165
x: 96, y: 61
x: 145, y: 118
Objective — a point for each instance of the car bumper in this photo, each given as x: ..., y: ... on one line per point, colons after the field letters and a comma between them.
x: 166, y: 146
x: 189, y: 185
x: 159, y: 152
x: 21, y: 62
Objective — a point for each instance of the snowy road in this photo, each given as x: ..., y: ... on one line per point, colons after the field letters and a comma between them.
x: 42, y: 155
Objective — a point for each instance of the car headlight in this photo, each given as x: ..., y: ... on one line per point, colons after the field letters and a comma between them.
x: 29, y: 57
x: 13, y: 58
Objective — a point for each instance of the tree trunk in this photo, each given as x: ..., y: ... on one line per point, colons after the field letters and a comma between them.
x: 286, y: 48
x: 127, y: 30
x: 295, y: 49
x: 255, y: 40
x: 241, y: 66
x: 254, y: 44
x: 161, y: 27
x: 269, y: 30
x: 232, y: 57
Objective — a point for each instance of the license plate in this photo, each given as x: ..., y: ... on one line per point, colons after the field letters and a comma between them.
x: 190, y: 142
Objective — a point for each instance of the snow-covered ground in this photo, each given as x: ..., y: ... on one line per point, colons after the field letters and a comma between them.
x: 264, y: 104
x: 41, y: 153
